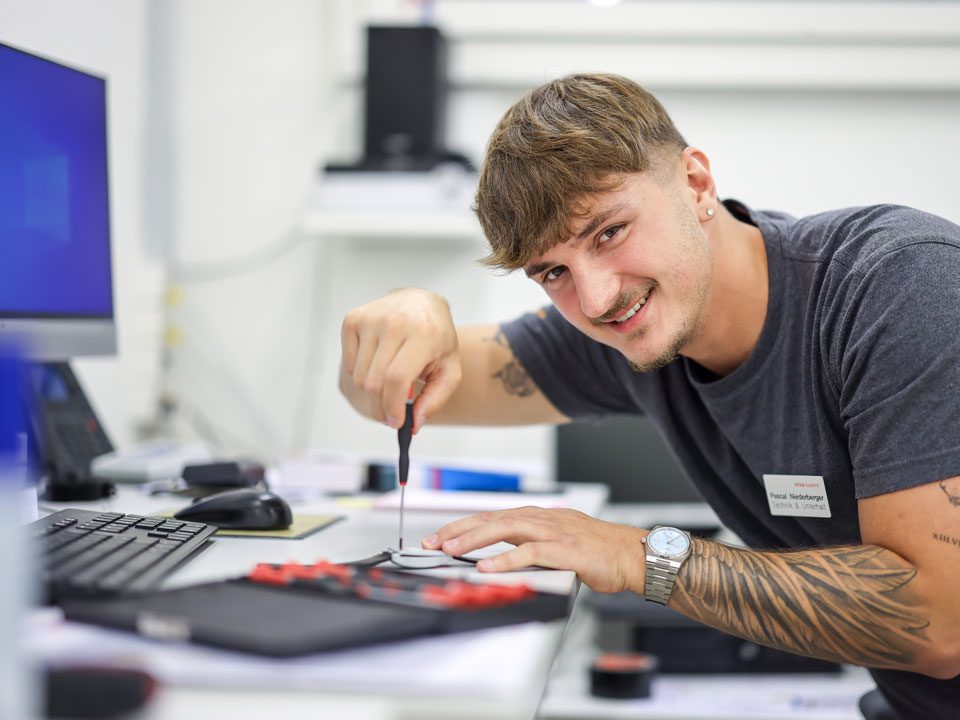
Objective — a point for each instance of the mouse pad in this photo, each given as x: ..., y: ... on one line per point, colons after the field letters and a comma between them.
x: 253, y: 618
x: 301, y: 527
x: 299, y: 619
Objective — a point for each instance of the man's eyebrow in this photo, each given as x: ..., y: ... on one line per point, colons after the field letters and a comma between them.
x: 537, y: 269
x: 597, y: 220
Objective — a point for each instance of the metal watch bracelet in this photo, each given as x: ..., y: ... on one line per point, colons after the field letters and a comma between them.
x: 660, y: 577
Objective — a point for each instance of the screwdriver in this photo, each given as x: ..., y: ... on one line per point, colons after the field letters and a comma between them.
x: 403, y: 437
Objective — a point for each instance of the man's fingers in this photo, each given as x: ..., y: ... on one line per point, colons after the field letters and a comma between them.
x: 404, y: 370
x: 366, y: 349
x: 349, y: 345
x: 603, y: 555
x: 388, y: 381
x: 435, y: 393
x: 513, y: 526
x: 455, y: 528
x: 391, y: 342
x: 531, y: 554
x: 539, y: 553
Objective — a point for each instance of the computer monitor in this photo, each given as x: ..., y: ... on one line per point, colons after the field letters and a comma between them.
x: 55, y: 272
x: 627, y: 454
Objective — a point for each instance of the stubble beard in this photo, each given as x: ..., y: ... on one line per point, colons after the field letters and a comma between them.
x: 670, y: 354
x: 695, y: 244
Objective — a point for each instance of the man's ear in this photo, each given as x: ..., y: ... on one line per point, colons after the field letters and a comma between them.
x: 699, y: 180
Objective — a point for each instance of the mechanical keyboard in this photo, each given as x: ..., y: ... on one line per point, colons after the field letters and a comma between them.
x: 87, y: 553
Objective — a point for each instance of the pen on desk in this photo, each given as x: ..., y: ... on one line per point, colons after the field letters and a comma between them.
x: 403, y: 437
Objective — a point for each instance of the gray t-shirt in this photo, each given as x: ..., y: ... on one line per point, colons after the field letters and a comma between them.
x: 855, y: 378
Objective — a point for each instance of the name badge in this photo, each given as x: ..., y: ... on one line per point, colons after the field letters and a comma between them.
x: 797, y: 495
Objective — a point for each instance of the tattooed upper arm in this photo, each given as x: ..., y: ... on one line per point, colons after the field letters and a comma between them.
x: 922, y: 525
x: 951, y: 488
x: 516, y: 381
x: 495, y: 388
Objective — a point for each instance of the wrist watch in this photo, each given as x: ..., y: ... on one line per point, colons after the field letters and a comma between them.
x: 666, y: 549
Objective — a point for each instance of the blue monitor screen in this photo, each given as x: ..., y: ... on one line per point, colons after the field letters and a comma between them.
x: 54, y: 204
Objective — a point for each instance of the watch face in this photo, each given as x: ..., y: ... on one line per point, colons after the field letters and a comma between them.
x: 668, y: 541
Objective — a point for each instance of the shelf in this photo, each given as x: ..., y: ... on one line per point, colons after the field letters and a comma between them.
x: 427, y: 206
x: 394, y: 224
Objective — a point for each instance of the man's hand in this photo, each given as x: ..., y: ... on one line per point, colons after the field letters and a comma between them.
x: 607, y: 557
x: 389, y: 344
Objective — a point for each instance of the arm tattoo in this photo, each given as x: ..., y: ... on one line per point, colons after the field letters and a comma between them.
x: 515, y: 379
x: 948, y: 539
x: 500, y: 339
x: 849, y: 604
x: 951, y: 488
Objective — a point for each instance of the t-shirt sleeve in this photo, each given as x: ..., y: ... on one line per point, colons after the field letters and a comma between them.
x: 900, y: 370
x: 584, y: 379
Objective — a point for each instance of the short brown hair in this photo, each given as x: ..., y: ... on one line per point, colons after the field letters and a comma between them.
x: 561, y: 141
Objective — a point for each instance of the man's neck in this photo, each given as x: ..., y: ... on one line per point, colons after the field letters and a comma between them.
x: 739, y: 291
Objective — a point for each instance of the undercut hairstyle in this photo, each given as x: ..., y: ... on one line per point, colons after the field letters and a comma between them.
x: 563, y: 140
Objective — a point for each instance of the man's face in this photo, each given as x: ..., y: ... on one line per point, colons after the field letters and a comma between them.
x: 636, y: 273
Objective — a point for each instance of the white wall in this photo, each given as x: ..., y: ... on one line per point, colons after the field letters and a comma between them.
x: 802, y: 106
x: 243, y: 89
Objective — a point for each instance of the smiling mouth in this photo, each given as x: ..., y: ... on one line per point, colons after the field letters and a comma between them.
x: 634, y: 310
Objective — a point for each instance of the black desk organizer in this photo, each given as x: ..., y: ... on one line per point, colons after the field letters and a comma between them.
x: 291, y: 610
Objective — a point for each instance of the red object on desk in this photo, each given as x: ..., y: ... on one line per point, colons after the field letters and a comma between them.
x: 392, y: 586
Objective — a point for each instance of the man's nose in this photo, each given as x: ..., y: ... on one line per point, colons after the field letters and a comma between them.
x: 598, y: 291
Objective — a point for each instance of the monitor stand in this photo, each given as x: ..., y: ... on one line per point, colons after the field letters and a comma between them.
x: 67, y: 435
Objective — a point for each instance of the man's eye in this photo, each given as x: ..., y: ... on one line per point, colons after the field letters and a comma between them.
x: 553, y: 273
x: 610, y: 232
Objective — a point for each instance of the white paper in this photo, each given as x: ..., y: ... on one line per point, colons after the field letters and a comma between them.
x: 467, y: 664
x: 466, y: 501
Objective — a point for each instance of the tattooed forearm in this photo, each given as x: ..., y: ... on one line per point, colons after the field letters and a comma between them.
x: 849, y: 604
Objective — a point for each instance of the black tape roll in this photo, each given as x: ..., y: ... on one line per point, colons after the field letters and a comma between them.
x: 623, y: 675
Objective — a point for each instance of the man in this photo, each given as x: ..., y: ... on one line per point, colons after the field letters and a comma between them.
x: 804, y: 371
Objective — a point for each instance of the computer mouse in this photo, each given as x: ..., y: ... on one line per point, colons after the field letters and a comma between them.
x: 242, y: 509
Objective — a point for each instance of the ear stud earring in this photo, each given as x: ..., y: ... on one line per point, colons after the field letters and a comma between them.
x: 709, y: 212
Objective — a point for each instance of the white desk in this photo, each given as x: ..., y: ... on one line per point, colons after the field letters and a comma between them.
x: 693, y: 697
x: 491, y: 673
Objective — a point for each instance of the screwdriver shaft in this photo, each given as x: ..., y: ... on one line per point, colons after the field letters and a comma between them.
x: 403, y: 490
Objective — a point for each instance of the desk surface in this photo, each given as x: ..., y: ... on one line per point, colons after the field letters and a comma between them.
x: 692, y: 697
x: 485, y: 674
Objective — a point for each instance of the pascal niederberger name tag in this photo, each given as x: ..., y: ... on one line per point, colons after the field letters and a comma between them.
x: 797, y: 495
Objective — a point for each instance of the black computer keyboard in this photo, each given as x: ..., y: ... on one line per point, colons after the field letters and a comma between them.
x: 87, y: 553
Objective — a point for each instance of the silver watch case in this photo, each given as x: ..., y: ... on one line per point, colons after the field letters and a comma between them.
x: 662, y: 563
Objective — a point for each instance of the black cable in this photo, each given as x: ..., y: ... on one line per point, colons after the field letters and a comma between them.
x: 372, y: 561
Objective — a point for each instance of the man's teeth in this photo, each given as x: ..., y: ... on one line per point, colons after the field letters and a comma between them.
x: 632, y: 311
